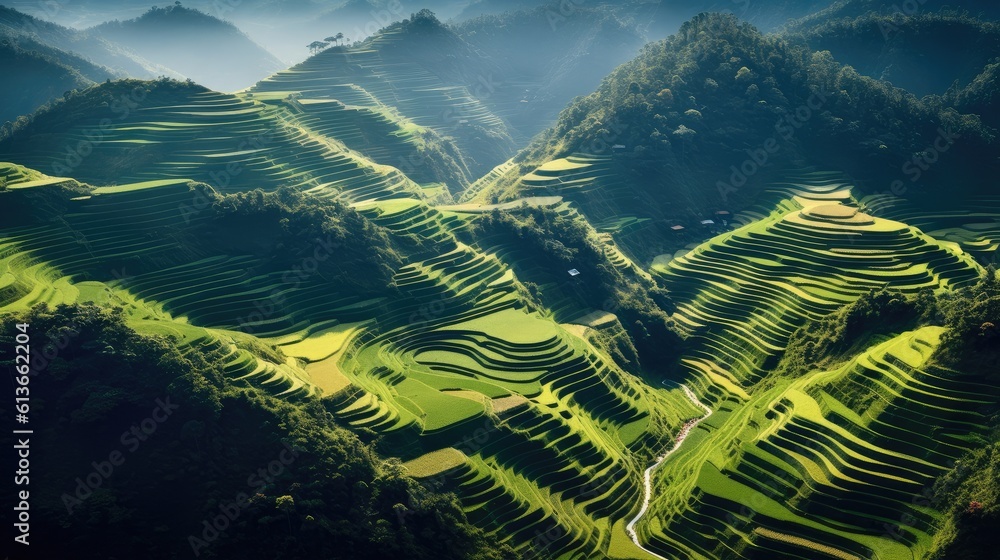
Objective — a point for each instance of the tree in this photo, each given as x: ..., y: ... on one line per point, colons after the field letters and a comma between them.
x: 988, y: 330
x: 317, y: 46
x: 286, y: 504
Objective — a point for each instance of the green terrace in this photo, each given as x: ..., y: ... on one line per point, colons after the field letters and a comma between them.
x: 742, y: 294
x: 230, y: 142
x: 42, y: 266
x: 836, y: 464
x: 460, y: 352
x: 374, y: 78
x: 972, y: 224
x: 456, y: 349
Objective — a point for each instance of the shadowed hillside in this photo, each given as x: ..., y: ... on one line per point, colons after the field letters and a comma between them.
x: 917, y: 53
x: 43, y: 75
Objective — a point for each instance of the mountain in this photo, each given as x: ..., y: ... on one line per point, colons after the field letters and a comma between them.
x: 696, y: 124
x: 287, y: 28
x: 179, y: 38
x: 470, y: 83
x: 737, y: 302
x: 543, y: 63
x: 237, y: 458
x: 980, y: 96
x: 41, y: 76
x: 658, y: 19
x: 278, y: 25
x: 899, y: 12
x: 378, y: 256
x: 97, y: 50
x: 432, y: 80
x: 479, y: 8
x: 175, y: 130
x: 915, y: 52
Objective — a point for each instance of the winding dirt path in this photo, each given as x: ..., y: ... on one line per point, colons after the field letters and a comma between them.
x: 648, y: 475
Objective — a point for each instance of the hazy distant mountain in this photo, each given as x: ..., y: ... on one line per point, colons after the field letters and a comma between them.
x: 545, y: 62
x: 86, y: 68
x: 35, y: 77
x: 93, y: 47
x: 286, y: 27
x: 197, y: 45
x: 288, y: 32
x: 428, y: 74
x: 277, y: 25
x: 483, y: 7
x: 40, y: 61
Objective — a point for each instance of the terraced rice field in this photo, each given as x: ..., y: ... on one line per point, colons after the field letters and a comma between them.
x: 836, y: 464
x: 231, y: 142
x: 88, y: 257
x: 567, y: 433
x: 553, y: 432
x: 548, y: 443
x: 974, y: 225
x: 593, y: 179
x: 380, y: 76
x: 743, y: 293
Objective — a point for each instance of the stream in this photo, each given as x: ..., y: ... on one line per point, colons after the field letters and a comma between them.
x: 648, y: 475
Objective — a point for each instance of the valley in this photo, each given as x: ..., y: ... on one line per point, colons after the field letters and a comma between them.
x: 519, y: 322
